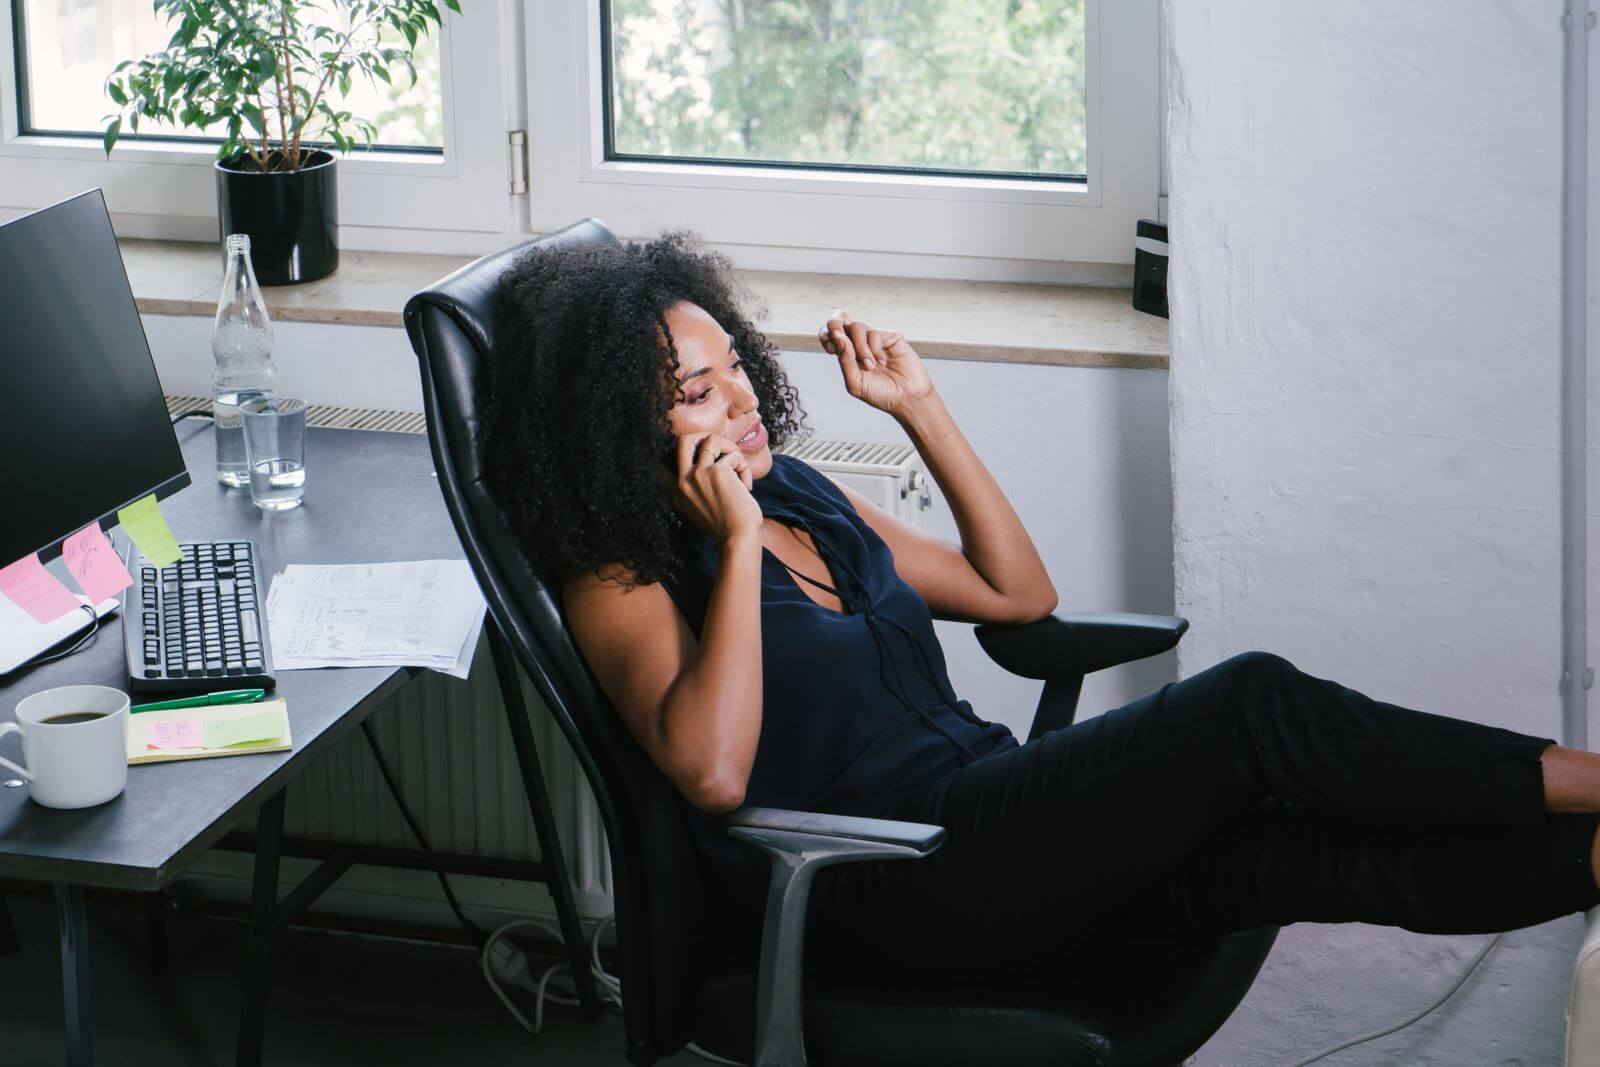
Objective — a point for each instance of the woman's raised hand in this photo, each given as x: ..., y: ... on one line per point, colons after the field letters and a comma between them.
x: 880, y: 367
x: 712, y: 487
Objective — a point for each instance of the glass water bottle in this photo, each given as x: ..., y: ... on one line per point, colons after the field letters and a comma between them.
x: 241, y: 342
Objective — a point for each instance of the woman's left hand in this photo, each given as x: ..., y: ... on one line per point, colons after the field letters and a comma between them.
x: 880, y: 367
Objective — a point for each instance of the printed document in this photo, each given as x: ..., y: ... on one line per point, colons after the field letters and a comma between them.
x: 427, y: 613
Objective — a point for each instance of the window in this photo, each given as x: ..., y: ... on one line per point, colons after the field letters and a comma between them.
x: 69, y: 46
x: 438, y: 172
x: 934, y: 86
x: 967, y: 138
x: 1007, y: 139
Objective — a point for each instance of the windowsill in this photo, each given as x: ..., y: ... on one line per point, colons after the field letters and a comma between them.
x: 988, y: 321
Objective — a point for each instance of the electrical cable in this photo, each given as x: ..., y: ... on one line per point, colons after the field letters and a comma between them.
x: 94, y: 628
x: 1401, y: 1025
x: 190, y: 415
x: 405, y: 813
x: 610, y: 985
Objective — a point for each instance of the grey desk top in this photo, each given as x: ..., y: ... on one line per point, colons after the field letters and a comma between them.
x: 369, y: 497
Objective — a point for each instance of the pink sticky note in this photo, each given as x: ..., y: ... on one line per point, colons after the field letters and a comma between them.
x: 174, y: 733
x: 94, y: 564
x: 35, y: 590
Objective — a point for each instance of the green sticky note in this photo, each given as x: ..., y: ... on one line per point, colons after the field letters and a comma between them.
x: 144, y: 523
x: 221, y: 733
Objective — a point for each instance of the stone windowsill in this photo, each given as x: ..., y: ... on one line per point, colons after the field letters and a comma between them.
x: 993, y: 321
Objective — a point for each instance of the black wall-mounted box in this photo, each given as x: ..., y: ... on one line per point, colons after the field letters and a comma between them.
x: 1150, y: 267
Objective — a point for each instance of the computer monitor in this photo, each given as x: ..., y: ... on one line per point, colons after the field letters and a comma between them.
x: 84, y: 429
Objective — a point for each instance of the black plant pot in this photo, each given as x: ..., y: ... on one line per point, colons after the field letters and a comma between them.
x: 292, y: 216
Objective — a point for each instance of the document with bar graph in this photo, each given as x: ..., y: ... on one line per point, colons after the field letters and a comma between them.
x: 424, y: 613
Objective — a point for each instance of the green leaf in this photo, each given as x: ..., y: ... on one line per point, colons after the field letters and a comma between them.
x: 110, y: 137
x: 380, y: 72
x: 453, y: 5
x: 344, y: 83
x: 114, y: 91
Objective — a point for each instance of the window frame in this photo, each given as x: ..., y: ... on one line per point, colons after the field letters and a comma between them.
x: 1033, y: 229
x: 153, y: 187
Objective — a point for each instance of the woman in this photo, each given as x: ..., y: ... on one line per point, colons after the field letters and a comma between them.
x: 767, y: 637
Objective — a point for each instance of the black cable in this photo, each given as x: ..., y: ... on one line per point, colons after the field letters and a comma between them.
x: 198, y: 414
x: 405, y: 812
x: 94, y: 628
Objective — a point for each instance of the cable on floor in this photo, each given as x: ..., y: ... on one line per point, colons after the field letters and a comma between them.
x: 1407, y: 1022
x: 610, y: 985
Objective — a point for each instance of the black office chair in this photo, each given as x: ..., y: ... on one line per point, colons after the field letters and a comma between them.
x: 690, y: 968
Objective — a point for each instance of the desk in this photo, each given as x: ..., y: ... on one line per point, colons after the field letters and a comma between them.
x: 369, y: 497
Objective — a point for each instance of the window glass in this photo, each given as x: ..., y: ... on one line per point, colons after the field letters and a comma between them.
x: 70, y: 46
x: 966, y: 86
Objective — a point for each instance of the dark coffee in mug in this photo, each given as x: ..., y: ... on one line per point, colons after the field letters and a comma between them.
x: 73, y: 716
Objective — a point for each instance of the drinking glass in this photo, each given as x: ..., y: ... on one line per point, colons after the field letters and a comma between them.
x: 275, y: 450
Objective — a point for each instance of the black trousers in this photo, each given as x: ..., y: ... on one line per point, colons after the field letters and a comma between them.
x: 1248, y: 794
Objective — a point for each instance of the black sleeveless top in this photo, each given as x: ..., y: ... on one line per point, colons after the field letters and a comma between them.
x: 856, y: 705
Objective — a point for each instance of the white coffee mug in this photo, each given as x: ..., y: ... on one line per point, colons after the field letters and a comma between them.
x: 72, y: 764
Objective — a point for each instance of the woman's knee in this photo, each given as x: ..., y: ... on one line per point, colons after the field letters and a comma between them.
x: 1251, y: 672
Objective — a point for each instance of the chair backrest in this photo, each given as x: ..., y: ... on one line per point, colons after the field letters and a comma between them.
x: 664, y: 904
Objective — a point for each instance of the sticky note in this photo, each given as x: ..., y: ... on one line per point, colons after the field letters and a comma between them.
x: 94, y: 564
x: 144, y: 523
x: 174, y: 733
x: 220, y: 733
x: 35, y: 590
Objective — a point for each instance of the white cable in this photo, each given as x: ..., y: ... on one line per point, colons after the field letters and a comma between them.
x: 1400, y: 1025
x: 609, y: 985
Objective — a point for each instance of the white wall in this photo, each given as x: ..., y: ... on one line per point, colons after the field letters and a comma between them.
x: 1080, y: 452
x: 1365, y: 201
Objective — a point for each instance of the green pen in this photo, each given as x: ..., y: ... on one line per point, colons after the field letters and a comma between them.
x: 227, y: 696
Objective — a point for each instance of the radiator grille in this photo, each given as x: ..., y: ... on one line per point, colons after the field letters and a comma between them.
x: 326, y: 416
x: 447, y: 739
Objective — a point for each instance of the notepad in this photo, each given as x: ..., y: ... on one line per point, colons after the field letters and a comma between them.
x: 224, y: 730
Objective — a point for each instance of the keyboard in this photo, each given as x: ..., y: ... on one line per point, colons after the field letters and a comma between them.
x: 197, y: 624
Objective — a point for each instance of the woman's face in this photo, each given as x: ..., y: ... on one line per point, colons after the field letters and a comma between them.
x: 714, y: 393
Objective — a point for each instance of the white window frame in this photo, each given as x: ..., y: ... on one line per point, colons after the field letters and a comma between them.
x: 852, y: 222
x: 448, y: 203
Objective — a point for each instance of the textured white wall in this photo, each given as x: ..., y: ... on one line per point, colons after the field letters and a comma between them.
x: 1365, y: 202
x: 1080, y: 452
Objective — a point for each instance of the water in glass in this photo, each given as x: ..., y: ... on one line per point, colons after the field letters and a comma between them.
x: 278, y: 484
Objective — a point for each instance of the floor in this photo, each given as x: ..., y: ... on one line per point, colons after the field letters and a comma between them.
x: 338, y: 999
x: 335, y: 1000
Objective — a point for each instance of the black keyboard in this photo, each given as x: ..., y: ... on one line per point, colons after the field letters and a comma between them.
x: 197, y: 625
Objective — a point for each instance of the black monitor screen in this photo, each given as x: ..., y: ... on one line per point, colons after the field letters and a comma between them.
x: 84, y: 429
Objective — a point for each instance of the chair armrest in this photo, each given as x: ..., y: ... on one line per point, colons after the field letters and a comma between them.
x: 778, y: 826
x: 1070, y: 644
x: 801, y: 843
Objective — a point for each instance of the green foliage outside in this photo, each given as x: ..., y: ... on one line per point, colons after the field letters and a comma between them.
x: 983, y: 85
x: 266, y: 70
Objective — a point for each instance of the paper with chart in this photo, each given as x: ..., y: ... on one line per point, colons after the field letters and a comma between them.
x: 426, y: 613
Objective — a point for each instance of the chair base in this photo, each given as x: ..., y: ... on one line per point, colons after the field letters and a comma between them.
x: 1125, y: 1002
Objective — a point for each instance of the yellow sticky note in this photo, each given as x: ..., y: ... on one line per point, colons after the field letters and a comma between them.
x: 221, y: 733
x: 144, y: 523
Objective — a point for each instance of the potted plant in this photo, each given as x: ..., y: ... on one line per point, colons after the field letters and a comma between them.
x: 263, y: 70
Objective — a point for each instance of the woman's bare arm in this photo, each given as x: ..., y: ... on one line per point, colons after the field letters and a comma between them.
x: 995, y: 574
x: 695, y: 707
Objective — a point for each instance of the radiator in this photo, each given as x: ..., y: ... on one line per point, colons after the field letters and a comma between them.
x: 449, y: 746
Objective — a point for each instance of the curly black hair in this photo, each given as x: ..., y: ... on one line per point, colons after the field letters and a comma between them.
x: 581, y: 383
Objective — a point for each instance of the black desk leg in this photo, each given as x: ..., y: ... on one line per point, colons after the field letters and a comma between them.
x: 155, y: 930
x: 75, y: 974
x: 505, y: 666
x: 8, y: 931
x: 263, y: 905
